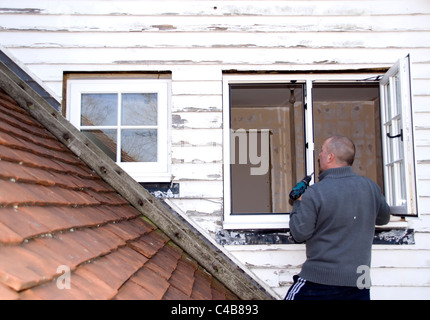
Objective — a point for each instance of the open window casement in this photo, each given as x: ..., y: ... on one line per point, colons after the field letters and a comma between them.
x: 397, y: 139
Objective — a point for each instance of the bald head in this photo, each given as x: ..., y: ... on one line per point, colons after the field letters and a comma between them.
x: 337, y: 151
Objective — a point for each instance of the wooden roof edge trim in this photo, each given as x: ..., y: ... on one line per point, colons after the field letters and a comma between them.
x: 174, y: 226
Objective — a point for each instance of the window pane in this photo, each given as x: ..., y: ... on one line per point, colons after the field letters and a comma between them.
x: 388, y: 111
x: 106, y: 140
x: 402, y: 185
x: 99, y: 109
x: 139, y: 145
x: 267, y: 144
x: 398, y: 105
x: 353, y: 111
x: 390, y: 143
x: 398, y: 141
x: 139, y: 109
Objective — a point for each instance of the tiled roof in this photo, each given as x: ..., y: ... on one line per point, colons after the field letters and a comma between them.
x: 56, y: 213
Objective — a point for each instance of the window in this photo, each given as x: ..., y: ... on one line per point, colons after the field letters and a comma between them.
x: 128, y: 120
x: 274, y: 126
x: 267, y: 145
x: 398, y: 139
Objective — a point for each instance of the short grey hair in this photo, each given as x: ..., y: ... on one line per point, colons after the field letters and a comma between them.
x: 343, y: 148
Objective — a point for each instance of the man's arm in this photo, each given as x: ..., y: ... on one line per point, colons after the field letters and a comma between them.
x: 303, y: 218
x: 383, y: 216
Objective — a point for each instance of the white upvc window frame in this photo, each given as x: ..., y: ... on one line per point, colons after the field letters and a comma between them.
x: 398, y: 139
x: 159, y: 171
x: 281, y: 221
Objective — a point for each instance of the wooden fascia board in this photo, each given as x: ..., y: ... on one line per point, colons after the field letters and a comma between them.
x: 174, y: 226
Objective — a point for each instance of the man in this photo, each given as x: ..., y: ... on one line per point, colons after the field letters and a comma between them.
x: 336, y: 218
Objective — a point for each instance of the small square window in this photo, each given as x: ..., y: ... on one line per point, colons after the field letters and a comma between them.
x: 128, y: 120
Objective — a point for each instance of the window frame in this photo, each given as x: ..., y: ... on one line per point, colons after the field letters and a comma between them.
x: 159, y: 171
x: 401, y: 141
x: 278, y: 221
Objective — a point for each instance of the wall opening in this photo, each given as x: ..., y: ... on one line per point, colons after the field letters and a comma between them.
x: 274, y: 114
x: 352, y: 110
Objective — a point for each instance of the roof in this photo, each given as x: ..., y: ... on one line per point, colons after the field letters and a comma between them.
x: 55, y: 211
x: 58, y: 215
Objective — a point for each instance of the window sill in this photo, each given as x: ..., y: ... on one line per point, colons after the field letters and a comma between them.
x: 395, y: 223
x: 256, y: 221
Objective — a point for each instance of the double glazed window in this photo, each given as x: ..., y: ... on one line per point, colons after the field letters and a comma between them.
x: 128, y: 120
x: 279, y: 123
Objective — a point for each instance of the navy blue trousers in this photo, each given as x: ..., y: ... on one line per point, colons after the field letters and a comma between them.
x: 306, y: 290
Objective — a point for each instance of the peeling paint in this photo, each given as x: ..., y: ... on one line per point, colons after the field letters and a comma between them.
x: 227, y: 237
x: 162, y: 190
x: 20, y: 10
x: 253, y: 237
x: 395, y: 236
x: 163, y: 27
x: 177, y: 120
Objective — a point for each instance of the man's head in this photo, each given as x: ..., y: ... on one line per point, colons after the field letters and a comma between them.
x: 337, y: 151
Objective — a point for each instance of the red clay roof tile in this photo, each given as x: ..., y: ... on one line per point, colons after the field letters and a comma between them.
x: 148, y: 245
x: 113, y: 269
x: 151, y: 282
x: 183, y: 279
x: 163, y: 263
x: 132, y: 291
x: 202, y: 286
x: 56, y: 212
x: 175, y: 294
x: 8, y: 236
x: 21, y: 268
x: 8, y: 294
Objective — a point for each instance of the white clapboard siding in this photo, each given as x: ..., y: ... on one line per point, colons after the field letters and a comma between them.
x: 206, y: 171
x: 199, y: 40
x: 198, y: 155
x: 197, y: 120
x: 197, y: 137
x: 176, y: 24
x: 61, y: 39
x: 220, y: 8
x: 216, y: 56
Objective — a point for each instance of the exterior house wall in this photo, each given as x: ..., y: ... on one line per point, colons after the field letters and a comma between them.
x: 199, y: 40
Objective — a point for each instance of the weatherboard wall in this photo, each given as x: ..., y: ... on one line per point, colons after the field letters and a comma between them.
x: 198, y: 42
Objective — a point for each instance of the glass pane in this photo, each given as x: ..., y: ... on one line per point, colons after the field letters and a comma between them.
x: 139, y: 109
x: 267, y: 144
x: 402, y: 199
x: 388, y: 111
x: 106, y: 140
x: 391, y: 185
x: 139, y: 145
x: 350, y: 110
x: 99, y: 109
x: 398, y: 105
x: 389, y: 151
x: 398, y: 143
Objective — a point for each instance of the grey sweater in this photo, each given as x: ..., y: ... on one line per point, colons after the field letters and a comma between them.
x: 336, y: 217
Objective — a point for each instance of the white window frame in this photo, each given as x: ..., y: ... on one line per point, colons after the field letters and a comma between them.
x: 279, y: 221
x: 398, y: 149
x: 159, y: 171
